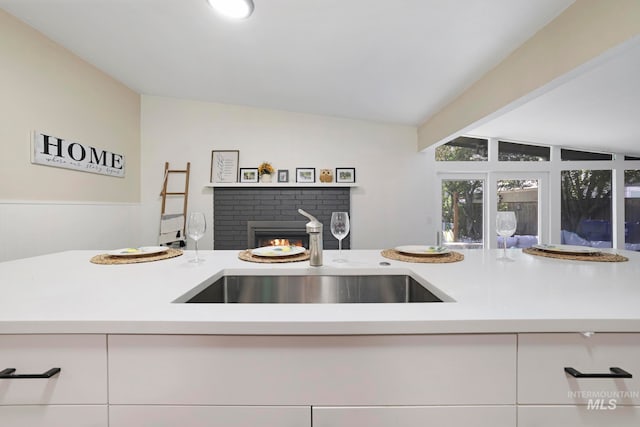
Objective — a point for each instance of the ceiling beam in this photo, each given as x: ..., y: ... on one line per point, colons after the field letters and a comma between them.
x: 584, y: 31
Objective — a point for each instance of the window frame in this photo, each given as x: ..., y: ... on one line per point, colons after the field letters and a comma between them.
x: 548, y: 174
x: 462, y: 176
x: 543, y: 197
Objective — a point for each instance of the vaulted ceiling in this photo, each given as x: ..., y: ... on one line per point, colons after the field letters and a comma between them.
x: 598, y: 109
x: 395, y: 61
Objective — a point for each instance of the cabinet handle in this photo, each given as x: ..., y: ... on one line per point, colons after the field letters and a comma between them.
x: 615, y: 373
x: 9, y: 374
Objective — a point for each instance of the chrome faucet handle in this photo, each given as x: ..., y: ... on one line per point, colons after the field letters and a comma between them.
x: 313, y: 226
x: 308, y: 215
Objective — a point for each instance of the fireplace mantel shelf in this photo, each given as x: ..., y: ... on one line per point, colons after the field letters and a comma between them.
x: 280, y: 184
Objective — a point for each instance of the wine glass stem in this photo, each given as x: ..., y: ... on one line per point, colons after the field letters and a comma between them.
x: 197, y: 259
x: 340, y: 248
x: 504, y: 239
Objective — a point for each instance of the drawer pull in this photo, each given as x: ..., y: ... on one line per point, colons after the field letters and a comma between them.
x: 9, y: 374
x: 615, y: 373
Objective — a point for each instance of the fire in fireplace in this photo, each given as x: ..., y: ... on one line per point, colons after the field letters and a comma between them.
x: 276, y: 233
x: 280, y: 242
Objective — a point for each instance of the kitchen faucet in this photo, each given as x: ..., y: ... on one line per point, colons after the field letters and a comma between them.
x: 314, y: 228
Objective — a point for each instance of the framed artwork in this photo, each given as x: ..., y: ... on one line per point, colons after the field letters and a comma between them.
x: 283, y: 175
x: 248, y: 174
x: 345, y: 174
x: 305, y: 175
x: 224, y: 165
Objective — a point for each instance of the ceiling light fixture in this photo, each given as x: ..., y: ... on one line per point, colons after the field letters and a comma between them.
x: 234, y: 9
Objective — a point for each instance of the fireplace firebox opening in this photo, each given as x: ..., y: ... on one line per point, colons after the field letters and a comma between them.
x: 276, y: 233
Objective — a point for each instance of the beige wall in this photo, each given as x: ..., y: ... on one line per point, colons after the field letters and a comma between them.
x: 388, y: 206
x: 47, y: 88
x: 584, y: 31
x: 44, y: 209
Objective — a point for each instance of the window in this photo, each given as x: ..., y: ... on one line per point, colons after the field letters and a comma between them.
x: 462, y: 212
x: 575, y: 197
x: 463, y: 149
x: 632, y: 209
x: 583, y: 155
x: 521, y: 197
x: 510, y: 151
x: 586, y: 207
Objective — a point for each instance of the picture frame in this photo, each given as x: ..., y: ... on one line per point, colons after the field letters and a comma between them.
x: 249, y: 175
x: 346, y: 175
x: 224, y: 166
x: 283, y: 175
x: 305, y: 175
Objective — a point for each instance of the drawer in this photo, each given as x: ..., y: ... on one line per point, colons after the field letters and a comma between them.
x: 415, y: 416
x: 81, y: 358
x: 578, y: 416
x: 54, y: 416
x: 543, y: 357
x: 209, y: 416
x: 312, y: 370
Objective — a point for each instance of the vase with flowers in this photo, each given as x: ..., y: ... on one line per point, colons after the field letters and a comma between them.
x: 265, y: 170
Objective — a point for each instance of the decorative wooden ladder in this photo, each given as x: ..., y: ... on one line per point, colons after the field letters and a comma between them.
x: 173, y: 226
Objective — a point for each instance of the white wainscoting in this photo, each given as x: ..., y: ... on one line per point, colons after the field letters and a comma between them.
x: 35, y: 228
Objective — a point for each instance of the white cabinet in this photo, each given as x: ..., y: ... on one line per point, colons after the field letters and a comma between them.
x: 471, y: 380
x: 312, y: 370
x: 74, y: 397
x: 209, y: 416
x: 81, y: 358
x: 54, y: 416
x: 578, y: 416
x: 543, y: 357
x: 600, y: 400
x: 415, y: 416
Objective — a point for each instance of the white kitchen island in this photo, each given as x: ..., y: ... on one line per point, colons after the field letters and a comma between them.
x: 65, y: 293
x: 492, y: 355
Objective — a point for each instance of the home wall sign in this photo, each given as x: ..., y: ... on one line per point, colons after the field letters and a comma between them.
x: 61, y: 153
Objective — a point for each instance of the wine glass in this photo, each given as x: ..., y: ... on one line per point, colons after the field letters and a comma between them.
x: 506, y: 224
x: 340, y: 229
x: 196, y: 226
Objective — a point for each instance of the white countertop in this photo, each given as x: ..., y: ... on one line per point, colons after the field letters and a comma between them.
x: 65, y: 293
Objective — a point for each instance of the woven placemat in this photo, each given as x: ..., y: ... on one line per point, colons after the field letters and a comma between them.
x: 432, y: 259
x: 597, y: 257
x: 246, y: 255
x: 107, y: 259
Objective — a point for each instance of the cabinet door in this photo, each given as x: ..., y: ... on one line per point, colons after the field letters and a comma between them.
x: 416, y: 416
x: 54, y: 416
x: 578, y: 416
x: 543, y: 357
x: 81, y: 358
x: 312, y: 370
x: 209, y: 416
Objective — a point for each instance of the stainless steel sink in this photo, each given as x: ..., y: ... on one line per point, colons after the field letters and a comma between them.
x: 311, y: 289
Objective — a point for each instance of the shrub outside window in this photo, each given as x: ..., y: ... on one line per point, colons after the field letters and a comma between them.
x: 463, y: 149
x: 586, y: 208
